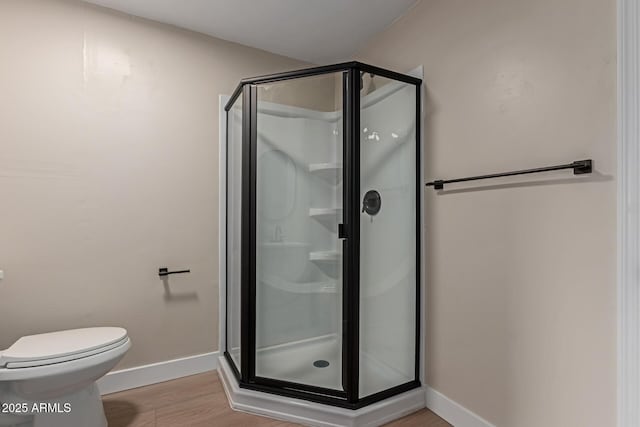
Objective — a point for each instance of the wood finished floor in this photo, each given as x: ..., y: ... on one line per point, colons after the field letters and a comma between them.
x: 199, y: 400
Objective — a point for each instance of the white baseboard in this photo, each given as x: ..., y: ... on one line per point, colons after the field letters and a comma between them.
x: 140, y: 376
x: 453, y: 412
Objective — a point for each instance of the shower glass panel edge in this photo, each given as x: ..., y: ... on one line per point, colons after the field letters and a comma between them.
x: 234, y: 123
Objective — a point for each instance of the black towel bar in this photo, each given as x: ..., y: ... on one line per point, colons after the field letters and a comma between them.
x: 579, y: 167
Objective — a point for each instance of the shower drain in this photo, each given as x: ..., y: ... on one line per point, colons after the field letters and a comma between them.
x: 320, y: 363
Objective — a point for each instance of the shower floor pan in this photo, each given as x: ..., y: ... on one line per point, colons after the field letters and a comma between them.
x: 306, y: 361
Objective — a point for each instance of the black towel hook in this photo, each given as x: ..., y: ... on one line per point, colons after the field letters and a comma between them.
x: 164, y: 271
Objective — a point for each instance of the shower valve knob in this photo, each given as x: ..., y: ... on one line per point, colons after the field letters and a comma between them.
x: 371, y: 202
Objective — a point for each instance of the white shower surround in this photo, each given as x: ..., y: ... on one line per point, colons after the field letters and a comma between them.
x: 295, y: 409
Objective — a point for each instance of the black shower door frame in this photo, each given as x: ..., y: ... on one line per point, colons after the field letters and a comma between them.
x: 246, y: 376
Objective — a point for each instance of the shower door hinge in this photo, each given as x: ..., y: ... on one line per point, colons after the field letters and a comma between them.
x: 342, y: 231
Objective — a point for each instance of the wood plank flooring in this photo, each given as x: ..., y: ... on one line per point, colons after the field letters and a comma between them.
x: 199, y: 400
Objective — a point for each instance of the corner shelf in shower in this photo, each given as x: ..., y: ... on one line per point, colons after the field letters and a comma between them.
x: 329, y: 172
x: 318, y: 287
x: 326, y: 287
x: 329, y: 217
x: 324, y: 257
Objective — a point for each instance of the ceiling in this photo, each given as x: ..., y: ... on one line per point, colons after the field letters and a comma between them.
x: 317, y: 31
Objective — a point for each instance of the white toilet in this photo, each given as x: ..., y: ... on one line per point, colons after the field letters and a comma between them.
x: 49, y: 380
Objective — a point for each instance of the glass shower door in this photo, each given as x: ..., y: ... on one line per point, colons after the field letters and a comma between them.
x: 298, y: 206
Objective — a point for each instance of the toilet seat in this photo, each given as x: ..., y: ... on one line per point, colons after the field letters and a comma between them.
x: 63, y: 346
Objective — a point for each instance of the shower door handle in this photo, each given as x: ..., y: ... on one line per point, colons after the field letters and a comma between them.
x: 342, y: 231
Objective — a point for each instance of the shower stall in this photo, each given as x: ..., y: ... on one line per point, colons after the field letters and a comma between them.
x: 321, y: 253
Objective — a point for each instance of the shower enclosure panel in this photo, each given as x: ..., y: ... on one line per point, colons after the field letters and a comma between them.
x: 389, y: 244
x: 323, y: 279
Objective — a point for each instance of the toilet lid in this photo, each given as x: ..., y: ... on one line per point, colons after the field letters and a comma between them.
x: 34, y: 350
